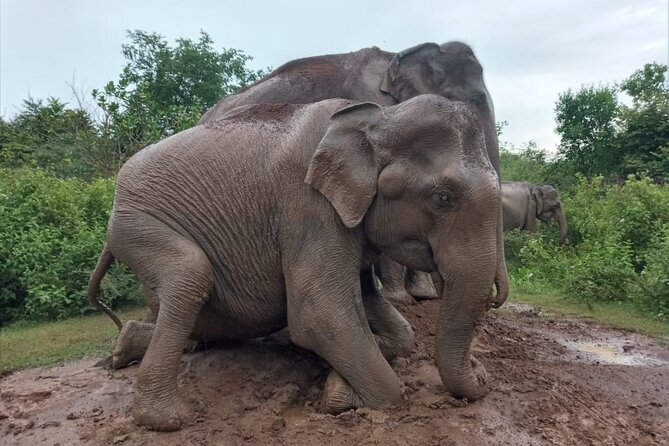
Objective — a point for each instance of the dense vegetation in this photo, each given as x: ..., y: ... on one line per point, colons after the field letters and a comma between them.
x: 58, y: 161
x: 612, y: 169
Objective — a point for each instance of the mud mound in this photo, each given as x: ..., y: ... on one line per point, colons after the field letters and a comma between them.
x: 264, y: 392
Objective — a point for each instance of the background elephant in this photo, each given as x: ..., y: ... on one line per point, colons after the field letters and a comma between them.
x: 371, y: 74
x: 524, y: 203
x: 272, y: 217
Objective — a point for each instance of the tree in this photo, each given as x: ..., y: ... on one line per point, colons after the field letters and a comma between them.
x: 163, y: 90
x: 525, y: 164
x: 586, y: 122
x: 47, y: 136
x: 644, y: 138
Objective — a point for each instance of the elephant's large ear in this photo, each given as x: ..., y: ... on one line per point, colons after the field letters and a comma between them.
x: 344, y: 168
x: 538, y: 197
x: 390, y: 81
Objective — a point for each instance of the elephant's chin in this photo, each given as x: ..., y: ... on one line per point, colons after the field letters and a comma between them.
x: 413, y: 254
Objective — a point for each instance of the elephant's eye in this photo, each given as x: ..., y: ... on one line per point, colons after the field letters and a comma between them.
x: 443, y: 200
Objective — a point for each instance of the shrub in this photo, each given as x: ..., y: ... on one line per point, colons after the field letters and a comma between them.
x: 655, y: 276
x: 619, y: 249
x: 514, y: 242
x: 601, y: 271
x: 51, y: 234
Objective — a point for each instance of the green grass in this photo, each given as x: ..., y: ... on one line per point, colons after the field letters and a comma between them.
x: 616, y: 314
x: 39, y: 344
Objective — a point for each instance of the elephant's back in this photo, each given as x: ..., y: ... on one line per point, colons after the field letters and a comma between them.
x: 356, y: 76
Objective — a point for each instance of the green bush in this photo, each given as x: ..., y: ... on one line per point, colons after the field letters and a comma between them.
x: 619, y: 246
x: 51, y: 234
x: 514, y: 242
x: 601, y: 271
x: 655, y: 276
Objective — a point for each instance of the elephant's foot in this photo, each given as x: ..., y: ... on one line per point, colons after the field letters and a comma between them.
x: 132, y: 343
x: 420, y: 286
x: 159, y: 414
x: 338, y: 395
x: 481, y: 376
x: 479, y: 383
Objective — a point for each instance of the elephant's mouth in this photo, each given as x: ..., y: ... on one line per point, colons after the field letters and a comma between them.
x: 415, y: 254
x: 546, y: 217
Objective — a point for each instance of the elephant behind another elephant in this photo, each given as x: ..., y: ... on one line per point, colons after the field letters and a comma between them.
x: 524, y: 203
x: 371, y: 74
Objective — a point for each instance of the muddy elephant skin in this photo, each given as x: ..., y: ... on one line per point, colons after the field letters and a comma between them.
x: 269, y: 217
x: 371, y: 74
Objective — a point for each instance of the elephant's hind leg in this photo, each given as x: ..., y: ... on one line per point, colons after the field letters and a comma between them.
x: 181, y: 275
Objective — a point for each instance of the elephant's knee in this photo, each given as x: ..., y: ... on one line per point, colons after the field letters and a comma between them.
x: 304, y: 334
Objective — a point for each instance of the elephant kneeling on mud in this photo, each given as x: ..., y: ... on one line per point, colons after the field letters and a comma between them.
x: 524, y: 203
x: 269, y: 217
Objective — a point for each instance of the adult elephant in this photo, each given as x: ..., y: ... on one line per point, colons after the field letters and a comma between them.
x: 371, y: 74
x: 524, y: 203
x: 269, y: 217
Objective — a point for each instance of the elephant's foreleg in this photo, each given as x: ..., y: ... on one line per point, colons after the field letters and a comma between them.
x: 326, y: 315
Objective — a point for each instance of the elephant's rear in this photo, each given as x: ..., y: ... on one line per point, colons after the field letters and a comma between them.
x: 221, y: 187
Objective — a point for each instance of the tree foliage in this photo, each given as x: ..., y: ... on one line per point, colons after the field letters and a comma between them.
x: 586, y: 124
x: 51, y: 234
x: 644, y: 138
x: 163, y: 90
x: 48, y: 136
x: 600, y: 135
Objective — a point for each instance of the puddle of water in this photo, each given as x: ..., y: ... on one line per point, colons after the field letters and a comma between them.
x: 611, y: 353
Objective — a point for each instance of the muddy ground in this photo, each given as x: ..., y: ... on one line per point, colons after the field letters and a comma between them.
x: 557, y: 381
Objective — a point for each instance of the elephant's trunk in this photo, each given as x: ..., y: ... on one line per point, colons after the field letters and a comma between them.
x: 468, y: 278
x: 562, y: 222
x: 501, y: 274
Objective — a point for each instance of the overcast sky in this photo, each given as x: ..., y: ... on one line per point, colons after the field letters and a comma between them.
x: 531, y: 50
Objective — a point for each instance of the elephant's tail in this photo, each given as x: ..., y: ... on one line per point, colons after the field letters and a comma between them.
x: 104, y: 262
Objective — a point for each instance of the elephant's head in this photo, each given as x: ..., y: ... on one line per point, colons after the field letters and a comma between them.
x: 547, y: 201
x: 416, y: 176
x: 450, y: 70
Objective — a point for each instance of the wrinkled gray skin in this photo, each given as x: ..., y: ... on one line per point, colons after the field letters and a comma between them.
x: 370, y: 74
x: 524, y: 203
x: 272, y: 218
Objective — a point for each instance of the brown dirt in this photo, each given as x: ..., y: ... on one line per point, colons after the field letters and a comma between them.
x: 545, y: 392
